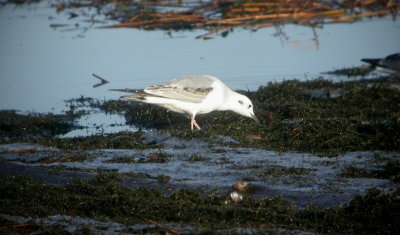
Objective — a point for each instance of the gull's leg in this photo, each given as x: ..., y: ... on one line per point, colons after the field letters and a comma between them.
x: 193, y: 122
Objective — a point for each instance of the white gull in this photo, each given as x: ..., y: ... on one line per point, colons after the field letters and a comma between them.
x: 194, y: 95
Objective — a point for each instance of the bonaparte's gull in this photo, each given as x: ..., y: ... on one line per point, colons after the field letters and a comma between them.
x: 194, y: 95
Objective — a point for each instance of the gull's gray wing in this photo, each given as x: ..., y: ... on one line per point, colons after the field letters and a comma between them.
x: 193, y: 89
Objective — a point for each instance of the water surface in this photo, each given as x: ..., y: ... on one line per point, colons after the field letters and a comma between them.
x: 41, y: 66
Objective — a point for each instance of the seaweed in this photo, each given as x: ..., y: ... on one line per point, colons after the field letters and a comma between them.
x: 365, y: 116
x: 123, y: 140
x: 16, y: 125
x: 104, y: 199
x: 319, y: 117
x: 391, y: 171
x: 350, y: 72
x: 281, y: 171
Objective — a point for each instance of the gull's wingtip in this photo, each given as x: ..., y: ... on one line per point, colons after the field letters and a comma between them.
x: 134, y: 98
x: 138, y: 94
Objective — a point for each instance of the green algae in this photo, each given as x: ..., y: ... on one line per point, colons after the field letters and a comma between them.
x: 366, y: 118
x: 163, y: 179
x: 19, y: 126
x: 318, y: 117
x: 121, y: 140
x: 103, y: 198
x: 282, y: 171
x: 350, y: 72
x: 354, y: 172
x: 365, y: 115
x: 391, y: 171
x: 130, y: 160
x: 158, y: 157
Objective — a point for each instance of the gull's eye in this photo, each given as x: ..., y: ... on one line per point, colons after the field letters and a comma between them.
x: 249, y: 105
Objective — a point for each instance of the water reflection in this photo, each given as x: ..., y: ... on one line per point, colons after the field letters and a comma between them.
x: 42, y: 65
x: 99, y: 123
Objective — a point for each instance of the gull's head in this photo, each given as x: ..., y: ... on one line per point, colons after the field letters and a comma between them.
x: 243, y: 106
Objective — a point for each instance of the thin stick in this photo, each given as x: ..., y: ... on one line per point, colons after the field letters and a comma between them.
x: 102, y: 81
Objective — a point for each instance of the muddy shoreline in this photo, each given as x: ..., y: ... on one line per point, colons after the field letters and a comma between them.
x: 324, y: 159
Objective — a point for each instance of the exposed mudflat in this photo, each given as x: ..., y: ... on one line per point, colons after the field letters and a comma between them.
x: 324, y: 159
x: 302, y: 179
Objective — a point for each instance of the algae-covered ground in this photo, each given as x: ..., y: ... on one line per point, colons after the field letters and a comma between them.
x: 324, y: 159
x: 319, y: 116
x: 137, y: 210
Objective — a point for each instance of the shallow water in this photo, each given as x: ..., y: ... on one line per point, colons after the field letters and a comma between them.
x: 41, y: 66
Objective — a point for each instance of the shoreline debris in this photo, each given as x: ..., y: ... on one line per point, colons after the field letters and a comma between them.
x: 221, y: 17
